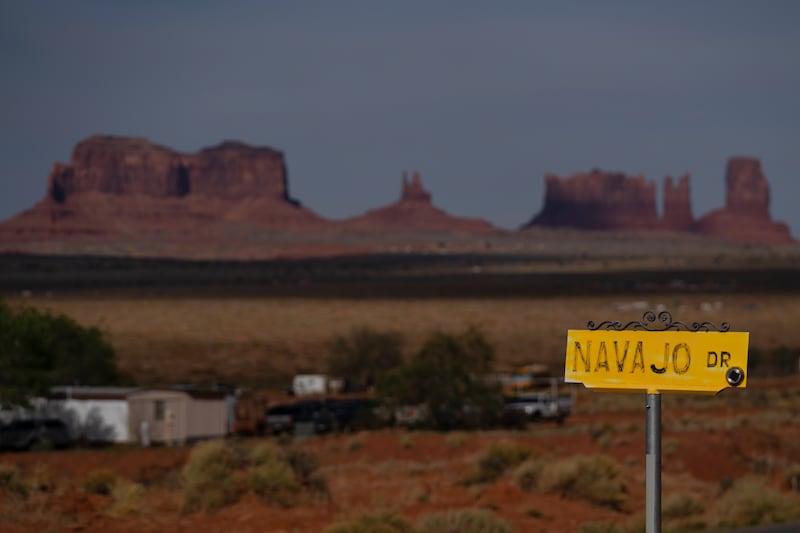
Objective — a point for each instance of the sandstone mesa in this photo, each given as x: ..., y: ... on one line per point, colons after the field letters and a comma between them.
x: 233, y: 198
x: 614, y: 201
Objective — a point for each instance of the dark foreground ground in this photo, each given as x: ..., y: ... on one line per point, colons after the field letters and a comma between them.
x: 393, y: 275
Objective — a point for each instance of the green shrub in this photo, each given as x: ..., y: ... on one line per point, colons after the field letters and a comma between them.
x: 670, y: 446
x: 218, y: 472
x: 535, y: 512
x: 100, y: 481
x: 792, y: 476
x: 127, y: 497
x: 303, y: 463
x: 596, y: 479
x: 681, y: 506
x: 499, y: 457
x: 455, y: 440
x: 354, y: 444
x: 599, y: 527
x: 209, y: 480
x: 527, y: 474
x: 11, y: 483
x: 40, y: 479
x: 317, y: 485
x: 463, y: 521
x: 604, y: 431
x: 274, y: 482
x: 380, y: 522
x: 751, y: 502
x: 279, y: 475
x: 264, y: 452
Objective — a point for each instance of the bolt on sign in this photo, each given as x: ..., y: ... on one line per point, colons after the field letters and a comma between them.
x: 640, y: 356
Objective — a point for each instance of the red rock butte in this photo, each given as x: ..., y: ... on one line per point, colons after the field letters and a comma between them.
x: 598, y: 201
x: 129, y: 196
x: 745, y: 217
x: 614, y: 201
x: 120, y: 185
x: 414, y: 211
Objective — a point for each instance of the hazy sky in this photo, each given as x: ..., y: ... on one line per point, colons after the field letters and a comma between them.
x: 483, y: 98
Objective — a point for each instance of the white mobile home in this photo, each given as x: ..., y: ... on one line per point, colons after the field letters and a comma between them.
x: 95, y: 414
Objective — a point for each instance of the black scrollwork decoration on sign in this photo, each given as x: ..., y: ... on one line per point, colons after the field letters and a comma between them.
x: 648, y: 323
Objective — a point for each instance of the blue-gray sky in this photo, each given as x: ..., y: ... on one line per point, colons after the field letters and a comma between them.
x: 483, y: 98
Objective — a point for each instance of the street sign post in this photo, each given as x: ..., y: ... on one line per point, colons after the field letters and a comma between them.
x: 671, y: 357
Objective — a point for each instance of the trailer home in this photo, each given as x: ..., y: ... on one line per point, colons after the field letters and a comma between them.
x: 173, y: 416
x: 93, y: 414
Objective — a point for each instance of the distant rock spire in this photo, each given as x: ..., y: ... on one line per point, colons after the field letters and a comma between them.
x: 745, y: 217
x: 746, y: 188
x: 677, y: 205
x: 414, y: 211
x: 414, y: 191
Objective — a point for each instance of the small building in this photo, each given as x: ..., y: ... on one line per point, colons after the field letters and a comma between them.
x: 309, y: 384
x: 173, y: 416
x: 93, y: 414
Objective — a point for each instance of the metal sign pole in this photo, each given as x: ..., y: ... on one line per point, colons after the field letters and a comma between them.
x: 653, y: 464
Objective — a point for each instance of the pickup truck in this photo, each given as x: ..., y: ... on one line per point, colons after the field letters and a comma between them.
x: 32, y: 433
x: 541, y: 406
x: 325, y: 415
x: 284, y: 418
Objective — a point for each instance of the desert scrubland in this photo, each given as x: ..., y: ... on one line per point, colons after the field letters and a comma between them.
x: 262, y: 341
x: 730, y: 459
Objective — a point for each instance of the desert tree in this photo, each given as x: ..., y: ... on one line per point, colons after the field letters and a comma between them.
x: 448, y: 376
x: 39, y: 350
x: 363, y: 354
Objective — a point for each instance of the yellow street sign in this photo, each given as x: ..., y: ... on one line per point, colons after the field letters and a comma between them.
x: 657, y: 361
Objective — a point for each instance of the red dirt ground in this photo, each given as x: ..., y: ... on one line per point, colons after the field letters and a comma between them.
x: 704, y: 447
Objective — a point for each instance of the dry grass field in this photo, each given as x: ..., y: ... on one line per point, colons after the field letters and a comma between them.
x: 262, y: 341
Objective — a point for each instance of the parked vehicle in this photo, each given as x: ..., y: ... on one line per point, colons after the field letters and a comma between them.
x: 541, y: 406
x: 514, y: 419
x: 35, y: 433
x: 353, y: 414
x: 311, y: 384
x: 284, y: 418
x: 326, y: 415
x: 411, y: 416
x: 280, y: 418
